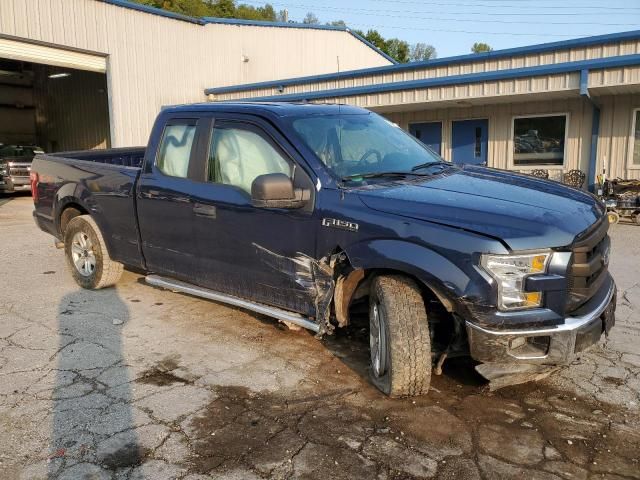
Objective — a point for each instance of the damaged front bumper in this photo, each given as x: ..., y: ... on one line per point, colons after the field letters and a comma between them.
x: 549, y: 345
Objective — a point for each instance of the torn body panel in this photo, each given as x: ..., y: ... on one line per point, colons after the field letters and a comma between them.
x: 316, y: 277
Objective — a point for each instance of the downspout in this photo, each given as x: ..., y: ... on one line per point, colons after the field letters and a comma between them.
x: 595, y: 130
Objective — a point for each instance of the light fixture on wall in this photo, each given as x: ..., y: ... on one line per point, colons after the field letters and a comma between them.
x: 244, y: 58
x: 60, y: 75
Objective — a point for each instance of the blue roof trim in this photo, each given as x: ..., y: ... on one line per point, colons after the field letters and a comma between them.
x: 372, y: 46
x: 154, y: 11
x: 578, y: 66
x: 539, y: 48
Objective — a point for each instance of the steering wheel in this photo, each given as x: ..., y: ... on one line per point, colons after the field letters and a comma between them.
x: 367, y: 154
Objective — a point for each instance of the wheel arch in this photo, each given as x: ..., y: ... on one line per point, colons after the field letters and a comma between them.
x: 437, y: 277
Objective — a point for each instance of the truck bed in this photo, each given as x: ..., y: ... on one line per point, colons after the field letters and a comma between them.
x: 126, y: 157
x: 100, y: 182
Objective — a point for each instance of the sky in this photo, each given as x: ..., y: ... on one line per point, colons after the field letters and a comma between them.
x: 452, y: 26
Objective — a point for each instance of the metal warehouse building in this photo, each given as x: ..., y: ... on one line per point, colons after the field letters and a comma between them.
x: 558, y: 106
x: 78, y: 74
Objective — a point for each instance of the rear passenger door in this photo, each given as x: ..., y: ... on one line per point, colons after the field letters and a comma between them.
x: 244, y: 250
x: 165, y: 209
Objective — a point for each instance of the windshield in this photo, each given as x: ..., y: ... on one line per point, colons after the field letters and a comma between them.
x: 352, y: 145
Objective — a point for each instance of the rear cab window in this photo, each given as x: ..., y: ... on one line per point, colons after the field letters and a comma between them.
x: 176, y: 146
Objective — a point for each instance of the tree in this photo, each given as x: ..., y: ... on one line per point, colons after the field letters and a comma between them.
x: 282, y: 15
x: 310, y: 19
x: 422, y: 51
x: 398, y: 49
x: 480, y: 47
x: 223, y: 9
x: 249, y: 12
x: 337, y: 23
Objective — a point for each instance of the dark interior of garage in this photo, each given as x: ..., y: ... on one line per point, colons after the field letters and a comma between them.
x: 55, y: 108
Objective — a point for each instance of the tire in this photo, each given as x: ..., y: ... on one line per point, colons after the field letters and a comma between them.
x: 87, y: 255
x: 400, y: 345
x: 613, y: 217
x: 636, y: 218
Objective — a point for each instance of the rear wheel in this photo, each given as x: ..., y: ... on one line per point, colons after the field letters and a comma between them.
x: 636, y: 218
x: 87, y: 255
x: 400, y: 346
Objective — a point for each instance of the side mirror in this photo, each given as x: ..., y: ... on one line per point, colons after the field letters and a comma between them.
x: 275, y: 190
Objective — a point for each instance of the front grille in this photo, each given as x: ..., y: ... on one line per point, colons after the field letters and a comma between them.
x: 589, y: 264
x: 19, y: 171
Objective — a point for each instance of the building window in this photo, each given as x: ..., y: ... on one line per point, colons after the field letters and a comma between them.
x: 539, y: 140
x: 635, y: 153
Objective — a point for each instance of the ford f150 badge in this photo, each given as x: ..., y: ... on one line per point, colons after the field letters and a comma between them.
x: 341, y: 224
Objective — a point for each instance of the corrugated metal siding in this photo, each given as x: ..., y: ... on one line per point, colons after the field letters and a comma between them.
x: 483, y: 65
x: 154, y: 60
x: 500, y: 148
x: 616, y: 137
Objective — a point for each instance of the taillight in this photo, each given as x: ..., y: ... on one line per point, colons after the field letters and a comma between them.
x: 33, y: 177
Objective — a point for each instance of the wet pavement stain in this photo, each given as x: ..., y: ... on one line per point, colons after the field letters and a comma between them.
x: 460, y: 430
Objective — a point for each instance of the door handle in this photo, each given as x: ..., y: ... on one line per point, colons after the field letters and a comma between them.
x: 150, y: 194
x: 202, y: 210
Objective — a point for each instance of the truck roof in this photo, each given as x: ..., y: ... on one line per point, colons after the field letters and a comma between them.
x: 280, y: 109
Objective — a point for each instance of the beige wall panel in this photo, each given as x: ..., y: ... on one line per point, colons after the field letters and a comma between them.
x: 155, y: 61
x: 616, y: 136
x: 530, y: 60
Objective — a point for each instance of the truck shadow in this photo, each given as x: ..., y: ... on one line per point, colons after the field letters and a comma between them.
x: 93, y: 422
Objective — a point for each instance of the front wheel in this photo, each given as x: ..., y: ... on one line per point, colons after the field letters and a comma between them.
x: 613, y: 217
x: 400, y: 346
x: 87, y: 255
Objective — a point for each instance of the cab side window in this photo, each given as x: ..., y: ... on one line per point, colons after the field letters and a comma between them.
x: 238, y: 155
x: 175, y: 149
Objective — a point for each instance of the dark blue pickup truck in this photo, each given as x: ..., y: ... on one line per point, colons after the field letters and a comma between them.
x: 307, y: 213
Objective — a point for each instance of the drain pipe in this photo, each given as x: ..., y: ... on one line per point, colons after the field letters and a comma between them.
x: 595, y: 130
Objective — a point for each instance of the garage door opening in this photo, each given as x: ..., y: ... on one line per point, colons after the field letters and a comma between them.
x: 53, y: 107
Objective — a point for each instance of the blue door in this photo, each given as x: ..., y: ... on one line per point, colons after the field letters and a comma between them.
x: 469, y: 141
x: 428, y: 133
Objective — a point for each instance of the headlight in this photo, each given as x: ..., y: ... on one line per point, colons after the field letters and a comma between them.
x: 510, y: 273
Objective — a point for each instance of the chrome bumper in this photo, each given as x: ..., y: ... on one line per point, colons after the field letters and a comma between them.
x: 556, y: 345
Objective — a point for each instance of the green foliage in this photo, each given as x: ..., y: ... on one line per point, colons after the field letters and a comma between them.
x: 394, y: 47
x: 214, y: 8
x: 480, y: 47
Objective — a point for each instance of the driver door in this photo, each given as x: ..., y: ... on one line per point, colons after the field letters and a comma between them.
x: 262, y: 254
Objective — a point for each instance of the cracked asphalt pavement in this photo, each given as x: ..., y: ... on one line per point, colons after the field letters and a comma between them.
x: 139, y: 383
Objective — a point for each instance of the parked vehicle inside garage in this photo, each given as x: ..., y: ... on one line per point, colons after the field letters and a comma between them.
x: 302, y: 212
x: 15, y: 166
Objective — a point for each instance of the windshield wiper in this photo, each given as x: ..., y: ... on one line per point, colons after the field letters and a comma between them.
x: 428, y: 164
x: 357, y: 176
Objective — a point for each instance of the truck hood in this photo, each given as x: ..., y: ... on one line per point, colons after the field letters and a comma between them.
x: 522, y: 211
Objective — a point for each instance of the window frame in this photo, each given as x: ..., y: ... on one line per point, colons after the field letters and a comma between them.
x: 191, y: 168
x: 242, y: 124
x: 632, y: 139
x: 535, y: 166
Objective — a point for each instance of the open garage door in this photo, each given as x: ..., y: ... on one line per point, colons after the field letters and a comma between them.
x: 53, y: 98
x: 14, y: 49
